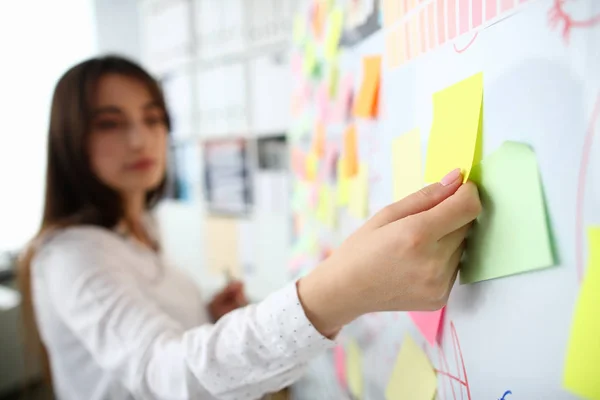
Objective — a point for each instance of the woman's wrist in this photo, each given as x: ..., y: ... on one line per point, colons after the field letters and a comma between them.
x: 326, y: 301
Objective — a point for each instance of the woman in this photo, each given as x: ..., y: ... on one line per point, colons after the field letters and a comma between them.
x: 117, y: 324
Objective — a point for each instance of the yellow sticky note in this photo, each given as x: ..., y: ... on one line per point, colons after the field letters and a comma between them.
x: 583, y: 350
x: 354, y: 373
x: 299, y: 29
x: 358, y: 204
x: 326, y: 211
x: 413, y: 376
x: 343, y: 184
x: 312, y: 166
x: 310, y: 59
x: 366, y: 104
x: 335, y: 23
x: 455, y: 138
x: 406, y: 159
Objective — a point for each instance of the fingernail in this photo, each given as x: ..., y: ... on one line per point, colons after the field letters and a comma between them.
x: 452, y: 177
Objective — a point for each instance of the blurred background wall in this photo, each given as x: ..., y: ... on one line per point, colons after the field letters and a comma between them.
x: 224, y: 68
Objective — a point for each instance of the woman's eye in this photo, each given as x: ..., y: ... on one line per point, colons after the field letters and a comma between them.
x: 107, y: 125
x: 154, y: 121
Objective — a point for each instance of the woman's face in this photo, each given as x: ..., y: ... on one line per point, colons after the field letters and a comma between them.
x: 128, y: 137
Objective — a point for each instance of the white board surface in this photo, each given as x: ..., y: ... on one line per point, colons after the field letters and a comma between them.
x: 540, y: 89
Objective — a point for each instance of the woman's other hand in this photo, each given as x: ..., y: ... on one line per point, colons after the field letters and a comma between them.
x: 229, y: 299
x: 404, y: 258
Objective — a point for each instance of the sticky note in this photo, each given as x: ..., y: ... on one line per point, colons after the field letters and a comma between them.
x: 299, y: 29
x: 344, y: 99
x: 406, y: 159
x: 310, y: 59
x: 326, y: 211
x: 335, y: 24
x: 354, y: 370
x: 339, y: 363
x: 299, y: 162
x: 318, y: 144
x: 322, y: 102
x: 428, y: 323
x: 318, y: 14
x: 332, y: 80
x: 511, y: 234
x: 329, y: 172
x: 413, y: 376
x: 312, y: 166
x: 583, y: 349
x: 343, y: 185
x: 365, y: 105
x: 350, y: 152
x: 358, y: 204
x: 454, y: 140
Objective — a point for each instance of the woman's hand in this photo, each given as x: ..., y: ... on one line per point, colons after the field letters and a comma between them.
x: 229, y: 299
x: 404, y: 258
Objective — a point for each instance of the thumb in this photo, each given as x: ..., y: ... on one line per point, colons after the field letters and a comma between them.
x: 422, y: 200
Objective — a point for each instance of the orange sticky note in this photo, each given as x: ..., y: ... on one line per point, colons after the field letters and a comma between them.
x: 318, y: 144
x: 366, y: 102
x: 350, y: 156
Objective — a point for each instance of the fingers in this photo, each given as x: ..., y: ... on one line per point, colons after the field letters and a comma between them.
x: 453, y: 213
x: 420, y: 201
x: 453, y: 240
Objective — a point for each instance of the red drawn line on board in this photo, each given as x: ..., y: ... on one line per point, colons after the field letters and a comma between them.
x: 456, y: 378
x: 583, y: 168
x: 557, y: 15
x: 456, y: 49
x: 445, y: 363
x: 462, y: 360
x: 455, y: 350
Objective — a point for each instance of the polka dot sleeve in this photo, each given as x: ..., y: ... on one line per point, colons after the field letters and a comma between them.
x: 256, y: 350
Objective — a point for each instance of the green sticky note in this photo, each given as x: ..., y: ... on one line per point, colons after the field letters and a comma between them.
x: 511, y: 235
x: 335, y: 24
x: 455, y: 137
x: 413, y: 376
x: 354, y: 370
x: 583, y: 350
x: 299, y: 29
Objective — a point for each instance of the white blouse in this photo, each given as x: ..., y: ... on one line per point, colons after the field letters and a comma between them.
x: 118, y: 324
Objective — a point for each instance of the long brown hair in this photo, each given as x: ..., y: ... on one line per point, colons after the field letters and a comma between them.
x: 74, y: 195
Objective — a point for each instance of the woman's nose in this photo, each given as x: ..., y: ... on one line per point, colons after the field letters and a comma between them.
x: 137, y: 136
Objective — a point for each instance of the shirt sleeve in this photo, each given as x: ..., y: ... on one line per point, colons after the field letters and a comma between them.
x: 250, y: 352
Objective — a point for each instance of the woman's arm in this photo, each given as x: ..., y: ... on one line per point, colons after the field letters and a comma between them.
x: 249, y: 352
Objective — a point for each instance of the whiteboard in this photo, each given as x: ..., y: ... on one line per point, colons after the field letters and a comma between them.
x: 540, y: 88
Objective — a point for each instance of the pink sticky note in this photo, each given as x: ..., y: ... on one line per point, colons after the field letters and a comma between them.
x: 491, y: 9
x: 431, y: 25
x: 428, y: 323
x: 296, y: 64
x: 339, y: 361
x: 506, y: 5
x: 451, y: 19
x: 463, y: 16
x: 329, y: 169
x: 344, y: 99
x: 407, y: 33
x: 477, y: 13
x: 299, y: 162
x: 441, y: 22
x: 423, y: 31
x: 322, y: 101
